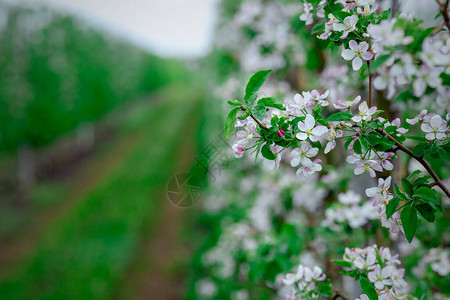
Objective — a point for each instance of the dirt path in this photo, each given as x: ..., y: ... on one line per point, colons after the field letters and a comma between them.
x: 99, y: 167
x: 153, y: 273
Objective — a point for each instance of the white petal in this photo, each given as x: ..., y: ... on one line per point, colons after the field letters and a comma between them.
x: 353, y: 45
x: 367, y: 55
x: 348, y: 54
x: 356, y: 63
x: 301, y: 136
x: 363, y: 46
x: 310, y: 121
x: 319, y: 130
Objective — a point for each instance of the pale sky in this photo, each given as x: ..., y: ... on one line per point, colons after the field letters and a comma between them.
x: 167, y: 27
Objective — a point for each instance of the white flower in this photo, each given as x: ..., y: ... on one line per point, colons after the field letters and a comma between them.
x: 238, y: 150
x: 310, y: 167
x: 362, y: 165
x: 302, y: 155
x: 307, y: 15
x: 357, y: 53
x: 436, y: 129
x: 319, y: 98
x: 331, y: 138
x: 347, y: 104
x: 426, y: 76
x: 381, y: 277
x: 365, y: 113
x: 347, y: 26
x: 310, y: 130
x: 349, y: 198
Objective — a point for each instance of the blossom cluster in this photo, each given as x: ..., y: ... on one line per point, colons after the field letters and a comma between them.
x: 350, y: 211
x: 304, y: 283
x: 381, y: 268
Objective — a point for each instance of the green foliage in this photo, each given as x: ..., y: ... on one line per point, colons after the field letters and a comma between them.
x: 340, y: 116
x: 368, y: 288
x: 230, y: 122
x: 254, y: 84
x: 409, y: 221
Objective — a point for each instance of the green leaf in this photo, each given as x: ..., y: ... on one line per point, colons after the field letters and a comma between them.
x: 271, y: 102
x: 267, y: 152
x: 341, y: 15
x: 342, y: 263
x: 230, y: 122
x: 419, y: 150
x: 340, y: 116
x: 378, y: 62
x: 357, y: 147
x: 426, y: 211
x: 254, y: 84
x: 259, y: 111
x: 234, y: 102
x: 392, y: 207
x: 318, y: 28
x: 409, y: 221
x: 407, y: 186
x: 413, y: 174
x: 244, y: 115
x: 429, y: 196
x: 368, y: 288
x: 400, y: 193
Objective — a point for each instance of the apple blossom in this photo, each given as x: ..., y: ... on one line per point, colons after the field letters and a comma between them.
x: 364, y: 113
x: 435, y: 129
x: 302, y: 155
x: 357, y: 53
x: 347, y: 104
x: 310, y: 130
x: 347, y: 26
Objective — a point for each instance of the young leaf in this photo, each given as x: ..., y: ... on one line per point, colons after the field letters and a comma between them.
x: 230, y: 122
x: 234, y: 102
x: 271, y: 102
x: 254, y: 84
x: 407, y: 187
x: 392, y: 206
x: 340, y: 116
x: 259, y: 111
x: 267, y: 153
x: 426, y: 211
x: 368, y: 288
x: 409, y: 221
x: 413, y: 175
x: 342, y: 263
x: 399, y: 193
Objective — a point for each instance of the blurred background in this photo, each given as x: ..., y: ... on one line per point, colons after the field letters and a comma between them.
x: 105, y: 114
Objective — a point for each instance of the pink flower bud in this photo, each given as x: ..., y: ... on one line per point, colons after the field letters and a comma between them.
x: 280, y: 132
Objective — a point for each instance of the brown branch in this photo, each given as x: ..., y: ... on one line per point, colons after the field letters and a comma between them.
x: 256, y: 120
x: 338, y: 295
x: 418, y: 158
x: 443, y: 8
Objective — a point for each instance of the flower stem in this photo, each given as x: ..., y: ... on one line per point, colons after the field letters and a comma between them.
x: 256, y: 120
x: 418, y: 158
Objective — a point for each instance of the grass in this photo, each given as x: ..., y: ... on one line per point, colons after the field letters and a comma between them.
x: 84, y: 254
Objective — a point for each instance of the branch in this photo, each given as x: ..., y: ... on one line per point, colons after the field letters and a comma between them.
x: 443, y: 8
x: 256, y: 120
x: 338, y: 295
x: 418, y: 158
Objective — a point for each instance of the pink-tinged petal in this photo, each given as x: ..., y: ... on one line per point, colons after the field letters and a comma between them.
x: 348, y: 54
x: 363, y: 47
x: 372, y: 110
x: 377, y: 167
x: 319, y: 130
x: 426, y: 127
x: 396, y: 122
x: 301, y: 126
x: 344, y: 35
x: 358, y: 170
x: 419, y: 87
x: 356, y: 119
x: 295, y: 161
x: 370, y: 192
x: 301, y: 136
x: 313, y: 138
x: 309, y: 121
x: 412, y: 121
x: 353, y: 45
x: 387, y: 182
x: 367, y: 55
x: 387, y: 165
x: 363, y: 106
x: 328, y: 148
x: 440, y: 135
x: 315, y: 94
x: 430, y: 136
x: 338, y: 26
x: 371, y: 173
x: 356, y: 63
x: 436, y: 121
x: 312, y: 152
x: 352, y: 159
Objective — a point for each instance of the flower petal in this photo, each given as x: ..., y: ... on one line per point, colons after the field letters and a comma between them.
x: 348, y: 54
x: 356, y: 63
x: 353, y: 45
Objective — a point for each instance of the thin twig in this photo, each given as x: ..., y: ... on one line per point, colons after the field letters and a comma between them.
x: 443, y: 8
x: 418, y: 158
x: 256, y: 120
